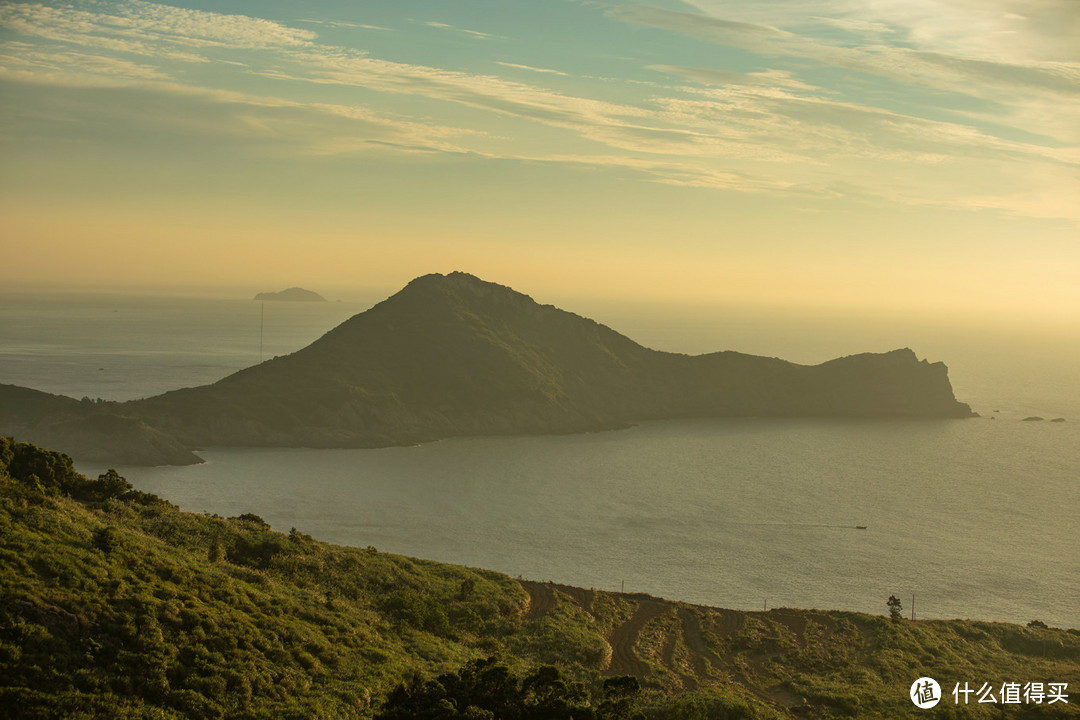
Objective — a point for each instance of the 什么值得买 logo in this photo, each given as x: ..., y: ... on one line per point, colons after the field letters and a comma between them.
x: 925, y: 692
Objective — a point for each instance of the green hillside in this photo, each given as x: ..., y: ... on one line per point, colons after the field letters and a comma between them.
x: 114, y: 603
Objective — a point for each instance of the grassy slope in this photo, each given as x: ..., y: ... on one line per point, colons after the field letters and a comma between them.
x: 127, y: 607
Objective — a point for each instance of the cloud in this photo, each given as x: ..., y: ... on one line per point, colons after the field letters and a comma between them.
x: 1063, y: 78
x: 857, y: 26
x: 29, y: 61
x: 669, y: 172
x: 148, y: 28
x: 779, y: 129
x: 530, y: 68
x: 343, y: 24
x: 483, y: 92
x: 803, y: 119
x: 965, y: 50
x: 704, y: 27
x: 472, y: 33
x: 709, y: 76
x: 304, y: 129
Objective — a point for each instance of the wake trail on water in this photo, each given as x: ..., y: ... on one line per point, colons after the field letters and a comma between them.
x: 809, y: 525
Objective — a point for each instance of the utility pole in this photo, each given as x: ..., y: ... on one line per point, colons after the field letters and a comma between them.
x: 262, y: 322
x: 912, y: 607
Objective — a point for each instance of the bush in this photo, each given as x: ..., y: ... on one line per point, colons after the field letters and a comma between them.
x: 106, y: 539
x: 253, y: 519
x: 411, y: 610
x: 258, y: 552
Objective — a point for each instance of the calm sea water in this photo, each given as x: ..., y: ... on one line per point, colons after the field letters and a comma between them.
x: 120, y: 347
x: 976, y: 518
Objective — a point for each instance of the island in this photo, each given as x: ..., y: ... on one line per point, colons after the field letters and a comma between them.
x: 293, y: 294
x: 453, y: 355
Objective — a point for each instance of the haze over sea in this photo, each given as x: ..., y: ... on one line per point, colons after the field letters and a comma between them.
x: 978, y: 518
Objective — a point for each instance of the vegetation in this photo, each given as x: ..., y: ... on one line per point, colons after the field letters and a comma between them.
x: 896, y: 608
x: 487, y: 689
x: 114, y: 603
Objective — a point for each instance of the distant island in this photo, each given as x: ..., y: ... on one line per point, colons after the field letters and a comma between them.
x: 453, y: 355
x: 293, y: 294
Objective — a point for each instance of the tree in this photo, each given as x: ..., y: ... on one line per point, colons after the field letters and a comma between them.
x: 113, y: 484
x: 896, y: 610
x: 467, y: 587
x: 488, y: 689
x: 619, y: 695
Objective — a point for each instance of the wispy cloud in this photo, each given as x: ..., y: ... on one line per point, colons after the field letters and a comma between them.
x: 31, y: 62
x: 464, y: 31
x: 919, y: 47
x: 343, y: 24
x: 771, y: 130
x: 147, y: 28
x: 705, y: 27
x: 531, y: 68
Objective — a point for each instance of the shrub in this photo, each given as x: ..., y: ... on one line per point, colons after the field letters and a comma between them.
x: 106, y: 539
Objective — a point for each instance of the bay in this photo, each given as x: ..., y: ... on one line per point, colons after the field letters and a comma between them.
x: 967, y: 515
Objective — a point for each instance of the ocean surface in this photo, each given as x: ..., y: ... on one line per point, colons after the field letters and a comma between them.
x: 974, y: 518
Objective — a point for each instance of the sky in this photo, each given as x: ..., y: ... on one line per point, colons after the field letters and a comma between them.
x: 869, y: 156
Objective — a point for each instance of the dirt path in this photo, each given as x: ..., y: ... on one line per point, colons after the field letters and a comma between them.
x: 705, y: 663
x: 700, y: 653
x: 624, y: 661
x: 689, y: 682
x: 728, y: 622
x: 541, y: 598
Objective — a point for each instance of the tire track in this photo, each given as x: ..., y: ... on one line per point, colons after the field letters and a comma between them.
x: 700, y: 652
x: 541, y: 598
x: 729, y: 623
x: 671, y: 641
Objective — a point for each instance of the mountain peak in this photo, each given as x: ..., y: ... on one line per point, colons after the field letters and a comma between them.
x: 458, y: 280
x: 461, y: 288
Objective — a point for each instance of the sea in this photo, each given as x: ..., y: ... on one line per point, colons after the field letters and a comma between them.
x: 975, y: 518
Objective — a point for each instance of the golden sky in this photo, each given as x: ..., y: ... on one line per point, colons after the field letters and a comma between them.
x: 916, y: 157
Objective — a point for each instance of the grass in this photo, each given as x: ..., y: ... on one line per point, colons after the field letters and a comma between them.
x: 114, y: 603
